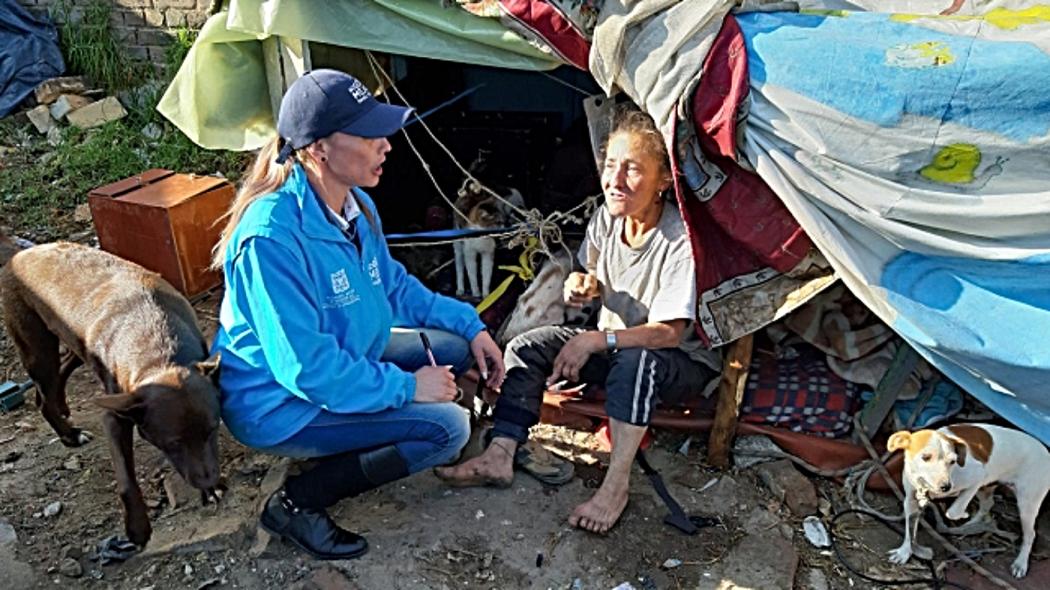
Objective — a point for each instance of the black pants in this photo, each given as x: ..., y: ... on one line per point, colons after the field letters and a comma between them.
x: 634, y: 379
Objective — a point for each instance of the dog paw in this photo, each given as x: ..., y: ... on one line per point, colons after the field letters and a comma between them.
x: 900, y: 555
x: 1019, y: 568
x: 77, y: 438
x: 954, y: 514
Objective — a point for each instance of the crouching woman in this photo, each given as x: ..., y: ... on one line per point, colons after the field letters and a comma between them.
x: 313, y: 365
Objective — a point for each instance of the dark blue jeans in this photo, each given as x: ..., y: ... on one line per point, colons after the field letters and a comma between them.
x: 426, y: 435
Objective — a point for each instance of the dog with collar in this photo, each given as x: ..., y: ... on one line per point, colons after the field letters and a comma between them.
x: 961, y: 459
x: 140, y: 337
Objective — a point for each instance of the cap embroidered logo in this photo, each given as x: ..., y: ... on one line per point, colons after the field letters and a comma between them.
x: 358, y: 91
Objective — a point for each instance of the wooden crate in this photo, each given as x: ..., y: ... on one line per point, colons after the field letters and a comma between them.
x: 165, y: 222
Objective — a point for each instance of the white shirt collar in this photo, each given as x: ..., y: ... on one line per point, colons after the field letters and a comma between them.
x: 350, y: 211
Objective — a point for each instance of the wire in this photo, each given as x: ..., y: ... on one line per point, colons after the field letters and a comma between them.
x: 934, y: 581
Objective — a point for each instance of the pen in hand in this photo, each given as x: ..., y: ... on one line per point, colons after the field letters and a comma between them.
x: 426, y: 347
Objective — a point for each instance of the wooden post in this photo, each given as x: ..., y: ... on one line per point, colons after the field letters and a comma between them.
x: 730, y: 394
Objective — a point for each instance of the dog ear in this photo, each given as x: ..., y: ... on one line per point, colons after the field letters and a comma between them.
x: 210, y: 368
x: 899, y: 440
x: 125, y: 405
x: 961, y: 451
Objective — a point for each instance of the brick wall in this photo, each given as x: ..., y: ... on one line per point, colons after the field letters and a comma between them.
x: 142, y: 25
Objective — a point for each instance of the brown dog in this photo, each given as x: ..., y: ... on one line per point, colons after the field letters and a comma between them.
x: 140, y: 336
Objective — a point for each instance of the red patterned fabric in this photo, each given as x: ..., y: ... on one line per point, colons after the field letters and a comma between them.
x: 744, y: 227
x: 800, y: 394
x: 545, y: 23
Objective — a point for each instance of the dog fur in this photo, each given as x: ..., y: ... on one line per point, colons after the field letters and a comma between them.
x: 961, y: 460
x: 140, y: 337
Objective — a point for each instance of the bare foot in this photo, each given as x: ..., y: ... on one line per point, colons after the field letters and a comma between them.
x: 601, y: 512
x: 494, y: 467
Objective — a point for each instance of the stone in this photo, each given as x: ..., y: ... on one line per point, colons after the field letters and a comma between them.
x: 97, y: 113
x: 789, y: 486
x: 41, y: 118
x: 14, y: 573
x: 152, y: 131
x: 68, y: 103
x: 757, y: 561
x: 178, y: 491
x: 53, y: 509
x: 815, y: 580
x: 71, y: 568
x: 71, y: 552
x: 54, y: 136
x: 49, y: 90
x: 7, y: 533
x: 759, y: 521
x: 329, y: 578
x: 73, y: 463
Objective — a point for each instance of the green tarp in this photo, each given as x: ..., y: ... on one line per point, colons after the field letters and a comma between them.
x: 220, y: 99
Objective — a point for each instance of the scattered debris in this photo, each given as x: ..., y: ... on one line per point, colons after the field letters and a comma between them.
x: 816, y: 532
x: 66, y: 104
x: 97, y: 113
x: 671, y: 563
x: 53, y: 509
x: 7, y: 533
x: 49, y: 91
x: 71, y: 568
x: 152, y: 131
x: 41, y: 118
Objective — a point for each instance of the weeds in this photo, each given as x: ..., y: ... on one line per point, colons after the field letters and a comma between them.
x: 41, y: 186
x: 90, y: 48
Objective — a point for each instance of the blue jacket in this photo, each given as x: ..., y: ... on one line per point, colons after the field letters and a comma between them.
x: 306, y: 317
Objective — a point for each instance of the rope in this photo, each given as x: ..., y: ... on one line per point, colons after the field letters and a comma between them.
x: 530, y: 223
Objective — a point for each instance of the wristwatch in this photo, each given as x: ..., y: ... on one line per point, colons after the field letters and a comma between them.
x: 610, y: 340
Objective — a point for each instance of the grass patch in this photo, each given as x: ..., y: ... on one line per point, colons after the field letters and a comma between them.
x: 89, y: 47
x: 41, y: 185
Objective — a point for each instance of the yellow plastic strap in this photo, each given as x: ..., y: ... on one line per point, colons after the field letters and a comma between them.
x: 523, y: 270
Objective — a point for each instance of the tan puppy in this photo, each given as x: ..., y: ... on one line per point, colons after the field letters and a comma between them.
x: 961, y: 459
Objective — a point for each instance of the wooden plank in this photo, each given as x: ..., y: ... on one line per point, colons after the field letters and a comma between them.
x: 730, y: 394
x: 879, y: 406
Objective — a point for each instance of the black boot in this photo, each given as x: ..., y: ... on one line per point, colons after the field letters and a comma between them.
x: 312, y: 530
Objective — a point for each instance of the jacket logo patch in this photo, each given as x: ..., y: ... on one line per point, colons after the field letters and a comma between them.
x: 373, y: 272
x: 339, y: 281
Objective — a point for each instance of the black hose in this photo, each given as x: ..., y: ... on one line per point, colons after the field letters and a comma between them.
x: 933, y: 581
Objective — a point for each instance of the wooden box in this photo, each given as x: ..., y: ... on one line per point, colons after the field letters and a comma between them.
x: 165, y: 222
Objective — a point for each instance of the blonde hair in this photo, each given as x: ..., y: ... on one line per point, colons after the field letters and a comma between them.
x: 264, y: 177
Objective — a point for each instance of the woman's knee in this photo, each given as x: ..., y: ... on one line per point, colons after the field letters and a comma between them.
x: 450, y: 435
x: 451, y: 349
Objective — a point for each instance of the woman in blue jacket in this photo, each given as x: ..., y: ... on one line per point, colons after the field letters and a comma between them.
x: 313, y: 362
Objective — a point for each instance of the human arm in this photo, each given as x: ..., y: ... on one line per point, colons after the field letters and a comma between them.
x: 270, y: 287
x: 580, y: 347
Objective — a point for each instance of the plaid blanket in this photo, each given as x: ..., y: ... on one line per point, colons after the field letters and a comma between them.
x: 799, y: 392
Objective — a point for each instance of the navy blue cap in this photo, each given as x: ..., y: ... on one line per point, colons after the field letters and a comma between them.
x: 322, y: 102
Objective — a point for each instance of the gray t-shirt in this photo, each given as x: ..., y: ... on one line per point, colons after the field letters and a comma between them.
x: 655, y: 282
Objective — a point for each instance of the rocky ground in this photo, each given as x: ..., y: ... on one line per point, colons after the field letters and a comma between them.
x: 57, y: 503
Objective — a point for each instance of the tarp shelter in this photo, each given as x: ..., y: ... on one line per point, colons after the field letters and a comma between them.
x: 907, y: 149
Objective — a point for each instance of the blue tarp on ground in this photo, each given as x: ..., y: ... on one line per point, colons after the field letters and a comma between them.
x: 29, y: 54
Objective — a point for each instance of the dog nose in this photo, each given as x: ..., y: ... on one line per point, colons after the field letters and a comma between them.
x: 946, y: 487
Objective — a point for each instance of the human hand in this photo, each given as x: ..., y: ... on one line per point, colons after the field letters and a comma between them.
x: 580, y: 289
x: 489, y: 359
x: 435, y: 384
x: 574, y: 355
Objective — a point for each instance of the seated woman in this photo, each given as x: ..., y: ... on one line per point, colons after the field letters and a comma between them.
x: 312, y: 365
x: 639, y: 261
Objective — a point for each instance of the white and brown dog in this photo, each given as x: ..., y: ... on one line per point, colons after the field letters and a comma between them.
x: 960, y: 460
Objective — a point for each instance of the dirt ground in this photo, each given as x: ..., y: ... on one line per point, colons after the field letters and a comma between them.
x: 422, y: 534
